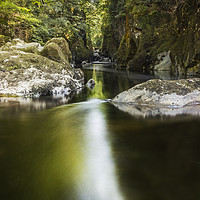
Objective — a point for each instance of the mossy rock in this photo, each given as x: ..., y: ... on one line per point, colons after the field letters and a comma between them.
x: 81, y: 52
x: 63, y: 44
x: 126, y: 51
x: 3, y: 39
x: 140, y: 62
x: 29, y: 74
x: 157, y: 92
x: 54, y: 52
x: 112, y: 38
x: 20, y: 45
x: 20, y: 60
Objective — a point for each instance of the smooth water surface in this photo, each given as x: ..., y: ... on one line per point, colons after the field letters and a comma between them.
x: 84, y: 148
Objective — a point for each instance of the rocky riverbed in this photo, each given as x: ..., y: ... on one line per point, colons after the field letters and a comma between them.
x: 28, y: 69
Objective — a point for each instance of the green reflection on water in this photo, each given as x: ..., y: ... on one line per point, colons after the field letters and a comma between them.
x: 58, y: 154
x: 98, y: 91
x: 41, y: 156
x: 93, y: 151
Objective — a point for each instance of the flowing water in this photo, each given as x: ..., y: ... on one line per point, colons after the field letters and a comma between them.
x: 84, y: 148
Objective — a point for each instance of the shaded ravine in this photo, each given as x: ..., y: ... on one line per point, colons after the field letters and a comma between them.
x: 89, y: 149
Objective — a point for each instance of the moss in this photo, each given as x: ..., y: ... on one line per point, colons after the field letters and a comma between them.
x: 54, y: 52
x: 63, y: 44
x: 9, y: 95
x: 81, y: 52
x: 140, y: 62
x: 3, y: 39
x: 179, y: 87
x: 126, y: 51
x: 19, y: 60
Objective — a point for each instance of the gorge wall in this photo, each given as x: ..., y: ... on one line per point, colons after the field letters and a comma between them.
x: 154, y: 35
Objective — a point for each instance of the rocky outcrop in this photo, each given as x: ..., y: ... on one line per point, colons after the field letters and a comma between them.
x: 173, y: 93
x: 157, y: 27
x: 25, y: 70
x: 81, y: 51
x: 126, y: 51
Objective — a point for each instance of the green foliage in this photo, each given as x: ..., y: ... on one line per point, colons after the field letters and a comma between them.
x: 3, y: 39
x: 40, y: 20
x: 16, y: 19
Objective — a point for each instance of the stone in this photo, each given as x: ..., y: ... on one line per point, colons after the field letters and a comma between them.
x: 90, y: 84
x: 54, y: 52
x: 63, y: 44
x: 127, y: 50
x: 31, y: 74
x: 164, y: 62
x: 155, y: 92
x: 139, y: 62
x: 85, y: 64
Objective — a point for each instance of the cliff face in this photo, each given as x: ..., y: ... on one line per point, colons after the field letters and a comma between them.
x: 158, y: 35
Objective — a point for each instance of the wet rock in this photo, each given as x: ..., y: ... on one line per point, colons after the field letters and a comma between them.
x: 36, y: 82
x: 90, y: 84
x: 85, y: 64
x: 157, y: 92
x: 81, y: 52
x: 126, y: 51
x: 140, y: 62
x: 31, y: 74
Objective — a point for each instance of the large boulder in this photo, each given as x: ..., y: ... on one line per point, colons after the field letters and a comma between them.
x: 63, y: 44
x: 57, y: 49
x: 157, y: 92
x: 31, y: 74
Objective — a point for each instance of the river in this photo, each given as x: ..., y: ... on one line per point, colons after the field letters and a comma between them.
x: 84, y: 148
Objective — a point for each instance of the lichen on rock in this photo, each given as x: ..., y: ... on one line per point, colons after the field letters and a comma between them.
x: 163, y: 93
x: 25, y: 73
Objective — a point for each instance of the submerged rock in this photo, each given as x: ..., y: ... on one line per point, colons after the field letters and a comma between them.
x: 162, y: 93
x: 31, y: 74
